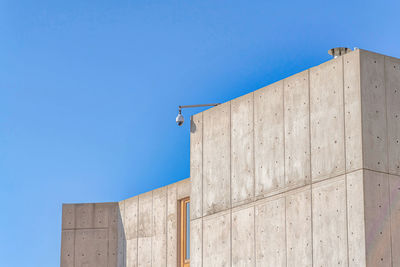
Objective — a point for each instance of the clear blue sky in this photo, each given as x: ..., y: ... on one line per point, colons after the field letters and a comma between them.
x: 89, y: 92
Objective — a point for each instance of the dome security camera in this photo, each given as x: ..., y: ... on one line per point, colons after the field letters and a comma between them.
x: 180, y: 119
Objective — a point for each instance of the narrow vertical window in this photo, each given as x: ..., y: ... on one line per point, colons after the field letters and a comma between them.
x: 185, y: 232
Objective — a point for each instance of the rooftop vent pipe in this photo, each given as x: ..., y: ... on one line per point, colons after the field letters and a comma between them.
x: 338, y: 51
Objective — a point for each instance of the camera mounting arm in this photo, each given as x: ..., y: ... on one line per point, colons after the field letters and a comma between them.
x: 180, y: 119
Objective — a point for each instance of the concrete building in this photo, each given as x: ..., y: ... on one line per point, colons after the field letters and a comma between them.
x: 303, y: 172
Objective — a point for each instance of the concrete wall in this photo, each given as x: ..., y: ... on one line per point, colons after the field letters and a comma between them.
x: 149, y: 228
x: 89, y: 235
x: 283, y: 175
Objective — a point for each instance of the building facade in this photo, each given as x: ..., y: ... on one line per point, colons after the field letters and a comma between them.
x: 303, y: 172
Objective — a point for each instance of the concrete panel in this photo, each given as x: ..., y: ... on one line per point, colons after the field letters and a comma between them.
x: 172, y: 216
x: 112, y: 246
x: 144, y: 251
x: 67, y: 248
x: 355, y: 218
x: 329, y: 223
x: 101, y: 215
x: 297, y: 130
x: 131, y: 217
x: 217, y: 240
x: 298, y: 228
x: 145, y: 215
x: 91, y: 248
x: 392, y: 83
x: 121, y: 243
x: 374, y: 111
x: 377, y: 219
x: 327, y: 120
x: 68, y: 216
x: 270, y: 233
x: 132, y: 252
x: 395, y: 218
x: 216, y: 156
x: 243, y: 251
x: 84, y: 215
x: 159, y: 241
x: 352, y: 106
x: 196, y: 243
x: 183, y: 189
x: 242, y: 153
x: 196, y: 166
x: 269, y: 139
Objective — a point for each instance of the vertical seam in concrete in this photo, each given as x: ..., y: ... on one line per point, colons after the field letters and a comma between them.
x: 284, y: 134
x: 286, y: 253
x: 310, y: 172
x: 254, y: 231
x: 345, y: 159
x: 202, y: 171
x: 230, y: 175
x: 137, y: 231
x: 166, y: 226
x: 254, y: 180
x: 254, y: 150
x: 284, y: 157
x: 387, y: 158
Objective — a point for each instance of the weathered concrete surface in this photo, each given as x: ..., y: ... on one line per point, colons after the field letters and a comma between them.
x: 132, y: 252
x: 216, y: 159
x: 144, y: 251
x: 297, y: 130
x: 159, y: 236
x: 270, y: 233
x: 243, y: 240
x: 392, y: 83
x: 242, y: 151
x: 269, y: 139
x: 68, y: 248
x: 196, y: 166
x: 298, y: 228
x: 373, y: 96
x: 377, y: 219
x: 329, y: 223
x: 84, y: 216
x: 217, y: 240
x: 395, y: 218
x: 352, y: 111
x: 68, y: 216
x: 172, y: 226
x: 327, y: 120
x: 196, y: 243
x: 356, y: 218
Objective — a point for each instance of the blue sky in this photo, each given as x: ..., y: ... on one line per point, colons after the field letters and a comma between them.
x: 89, y: 92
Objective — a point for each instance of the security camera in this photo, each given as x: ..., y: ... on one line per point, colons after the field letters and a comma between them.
x: 179, y: 118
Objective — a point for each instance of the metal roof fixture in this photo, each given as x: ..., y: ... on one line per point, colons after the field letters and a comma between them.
x: 180, y: 119
x: 338, y: 51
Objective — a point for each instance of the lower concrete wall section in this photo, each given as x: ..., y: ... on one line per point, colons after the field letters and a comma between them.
x: 89, y: 235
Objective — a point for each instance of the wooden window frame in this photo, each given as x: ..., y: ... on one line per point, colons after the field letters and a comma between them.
x: 182, y: 233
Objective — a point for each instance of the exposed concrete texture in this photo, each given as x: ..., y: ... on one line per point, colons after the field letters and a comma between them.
x: 145, y: 229
x: 172, y: 226
x: 243, y: 240
x: 297, y: 130
x: 67, y: 248
x: 196, y: 243
x: 392, y: 83
x: 196, y: 166
x: 242, y: 154
x: 352, y: 111
x: 132, y: 252
x: 84, y: 216
x: 270, y: 233
x: 216, y: 159
x: 377, y: 219
x: 68, y: 216
x: 329, y: 223
x: 373, y: 97
x: 217, y: 240
x: 298, y: 228
x: 159, y: 236
x: 268, y: 142
x: 356, y: 218
x: 395, y: 218
x: 327, y: 120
